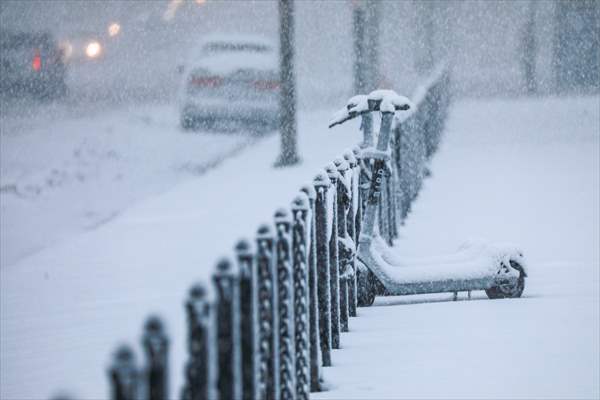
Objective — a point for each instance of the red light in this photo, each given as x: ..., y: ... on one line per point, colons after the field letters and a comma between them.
x: 266, y: 85
x: 211, y: 81
x: 36, y: 64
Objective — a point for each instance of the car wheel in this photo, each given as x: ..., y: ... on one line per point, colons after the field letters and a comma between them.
x: 187, y: 122
x: 508, y: 289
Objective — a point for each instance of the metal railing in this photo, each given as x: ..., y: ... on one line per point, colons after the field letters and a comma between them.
x: 284, y: 302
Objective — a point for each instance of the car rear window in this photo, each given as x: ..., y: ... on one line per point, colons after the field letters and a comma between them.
x: 18, y: 41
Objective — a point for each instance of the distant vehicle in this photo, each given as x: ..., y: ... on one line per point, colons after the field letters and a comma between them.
x: 31, y: 63
x: 233, y: 78
x: 83, y: 47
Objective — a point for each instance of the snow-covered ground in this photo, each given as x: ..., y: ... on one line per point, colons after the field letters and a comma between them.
x: 67, y: 167
x: 524, y: 171
x: 64, y: 308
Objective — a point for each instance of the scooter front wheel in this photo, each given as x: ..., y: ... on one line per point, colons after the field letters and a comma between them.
x: 507, y: 289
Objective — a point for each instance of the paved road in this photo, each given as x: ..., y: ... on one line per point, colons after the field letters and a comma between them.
x: 72, y: 165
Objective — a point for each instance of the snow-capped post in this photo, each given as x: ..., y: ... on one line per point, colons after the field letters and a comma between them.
x: 199, y: 370
x: 313, y: 304
x: 248, y: 319
x: 300, y: 211
x: 124, y: 375
x: 322, y: 185
x: 288, y: 123
x: 228, y: 336
x: 156, y: 346
x: 268, y: 338
x: 345, y: 244
x: 334, y: 265
x: 285, y: 285
x: 351, y: 228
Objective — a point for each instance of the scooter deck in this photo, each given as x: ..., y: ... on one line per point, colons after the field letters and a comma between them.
x: 476, y: 267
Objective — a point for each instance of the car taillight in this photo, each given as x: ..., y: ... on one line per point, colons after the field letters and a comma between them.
x: 266, y: 85
x: 36, y: 63
x: 206, y: 81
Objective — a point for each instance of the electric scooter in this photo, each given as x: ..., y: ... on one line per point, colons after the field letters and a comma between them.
x: 499, y: 270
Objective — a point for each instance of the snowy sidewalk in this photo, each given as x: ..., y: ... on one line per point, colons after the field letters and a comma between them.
x: 521, y: 171
x: 64, y: 309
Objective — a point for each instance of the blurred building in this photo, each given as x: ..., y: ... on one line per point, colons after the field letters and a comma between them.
x: 497, y: 48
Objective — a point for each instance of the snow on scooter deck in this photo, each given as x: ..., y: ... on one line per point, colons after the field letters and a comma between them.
x: 475, y: 266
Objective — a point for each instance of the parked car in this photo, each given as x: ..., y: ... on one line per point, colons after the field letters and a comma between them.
x: 31, y: 63
x: 231, y: 77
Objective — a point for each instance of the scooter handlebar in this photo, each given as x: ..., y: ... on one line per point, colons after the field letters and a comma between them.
x: 378, y: 100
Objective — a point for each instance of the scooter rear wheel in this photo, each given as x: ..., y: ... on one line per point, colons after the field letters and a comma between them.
x: 508, y: 290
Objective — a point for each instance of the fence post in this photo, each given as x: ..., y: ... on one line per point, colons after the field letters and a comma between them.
x: 200, y: 366
x: 248, y: 321
x: 392, y: 193
x: 352, y: 229
x: 300, y: 209
x: 285, y: 285
x: 268, y: 367
x: 396, y: 183
x: 356, y: 152
x: 334, y: 265
x: 384, y: 207
x: 313, y: 303
x: 402, y: 162
x: 156, y: 346
x: 124, y: 375
x: 322, y: 184
x: 364, y: 183
x: 389, y: 204
x: 345, y: 244
x: 227, y: 323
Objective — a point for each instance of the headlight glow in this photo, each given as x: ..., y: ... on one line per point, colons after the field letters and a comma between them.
x: 93, y: 49
x: 114, y: 29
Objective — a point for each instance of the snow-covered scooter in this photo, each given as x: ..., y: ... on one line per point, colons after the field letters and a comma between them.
x: 497, y: 269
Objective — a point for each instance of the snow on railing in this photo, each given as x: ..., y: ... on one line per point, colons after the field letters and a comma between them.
x: 277, y: 314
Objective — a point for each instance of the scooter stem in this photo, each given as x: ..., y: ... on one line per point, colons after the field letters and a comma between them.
x: 378, y: 176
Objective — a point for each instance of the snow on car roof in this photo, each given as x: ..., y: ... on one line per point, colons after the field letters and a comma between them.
x: 228, y: 62
x: 239, y: 38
